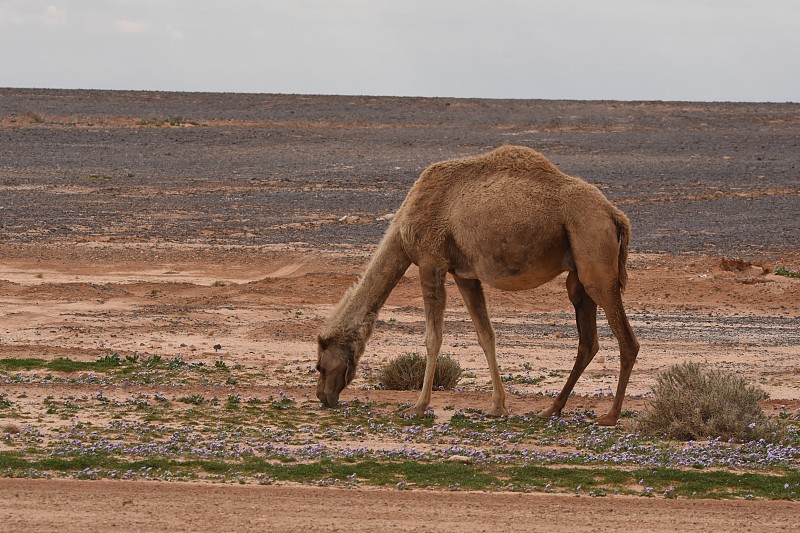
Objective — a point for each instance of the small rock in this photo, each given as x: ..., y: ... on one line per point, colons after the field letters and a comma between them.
x: 559, y: 334
x: 459, y: 459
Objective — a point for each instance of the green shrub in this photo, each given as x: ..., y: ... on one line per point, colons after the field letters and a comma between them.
x: 407, y: 371
x: 194, y: 399
x: 690, y: 403
x: 783, y: 271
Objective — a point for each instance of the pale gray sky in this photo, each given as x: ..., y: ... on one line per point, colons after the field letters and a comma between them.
x: 708, y: 50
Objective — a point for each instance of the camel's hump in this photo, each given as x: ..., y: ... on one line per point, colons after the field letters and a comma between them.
x: 507, y: 159
x: 520, y: 157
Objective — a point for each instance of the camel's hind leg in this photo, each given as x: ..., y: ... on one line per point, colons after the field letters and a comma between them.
x: 599, y: 250
x: 472, y: 292
x: 588, y: 345
x: 628, y: 350
x: 435, y: 298
x: 610, y: 300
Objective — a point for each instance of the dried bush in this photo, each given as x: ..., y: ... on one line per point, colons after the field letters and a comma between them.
x: 34, y: 116
x: 407, y: 371
x: 690, y: 403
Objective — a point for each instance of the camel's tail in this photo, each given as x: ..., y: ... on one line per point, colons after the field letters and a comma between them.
x: 623, y: 237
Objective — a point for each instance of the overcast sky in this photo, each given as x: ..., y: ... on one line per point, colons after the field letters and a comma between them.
x: 710, y: 50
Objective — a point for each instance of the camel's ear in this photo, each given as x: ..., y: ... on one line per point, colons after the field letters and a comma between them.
x: 323, y: 342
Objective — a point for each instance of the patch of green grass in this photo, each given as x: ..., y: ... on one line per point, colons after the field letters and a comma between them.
x: 545, y: 478
x: 657, y: 482
x: 282, y: 403
x: 62, y: 364
x: 176, y: 362
x: 783, y: 271
x: 168, y: 121
x: 65, y: 364
x: 62, y: 407
x: 15, y: 364
x: 719, y: 484
x: 464, y: 420
x: 67, y: 464
x: 12, y: 461
x: 233, y: 402
x: 522, y: 379
x: 194, y: 399
x: 661, y: 482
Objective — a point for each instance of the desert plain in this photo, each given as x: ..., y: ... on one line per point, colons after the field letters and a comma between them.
x: 217, y: 231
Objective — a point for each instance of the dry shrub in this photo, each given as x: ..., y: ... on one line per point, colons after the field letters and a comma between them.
x: 407, y: 371
x: 690, y: 403
x: 740, y: 265
x: 34, y: 116
x: 734, y: 265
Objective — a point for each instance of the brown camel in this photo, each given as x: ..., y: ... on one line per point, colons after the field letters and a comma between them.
x: 508, y: 218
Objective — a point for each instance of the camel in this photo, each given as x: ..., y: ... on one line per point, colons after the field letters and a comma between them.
x: 510, y: 219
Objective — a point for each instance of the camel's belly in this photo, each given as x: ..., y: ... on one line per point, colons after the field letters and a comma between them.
x: 520, y: 283
x: 513, y: 277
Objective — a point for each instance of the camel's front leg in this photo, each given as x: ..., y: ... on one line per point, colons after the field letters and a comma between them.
x: 435, y: 298
x: 472, y: 292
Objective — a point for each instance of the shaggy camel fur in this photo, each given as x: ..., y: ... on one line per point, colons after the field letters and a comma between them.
x: 508, y: 218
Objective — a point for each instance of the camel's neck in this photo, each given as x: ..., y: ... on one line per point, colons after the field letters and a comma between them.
x: 358, y: 310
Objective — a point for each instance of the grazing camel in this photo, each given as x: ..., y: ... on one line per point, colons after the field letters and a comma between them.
x: 508, y: 218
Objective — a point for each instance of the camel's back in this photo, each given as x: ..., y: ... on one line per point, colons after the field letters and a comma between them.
x: 508, y: 175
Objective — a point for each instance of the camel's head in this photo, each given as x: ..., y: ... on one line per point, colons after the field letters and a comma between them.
x: 336, y: 363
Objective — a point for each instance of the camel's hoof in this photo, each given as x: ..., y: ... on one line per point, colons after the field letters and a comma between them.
x: 418, y: 412
x: 550, y: 413
x: 498, y: 412
x: 606, y: 420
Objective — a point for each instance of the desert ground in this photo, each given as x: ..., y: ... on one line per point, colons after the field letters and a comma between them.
x: 225, y: 227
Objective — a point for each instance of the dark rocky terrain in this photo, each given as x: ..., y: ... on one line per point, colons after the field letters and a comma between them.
x: 718, y: 178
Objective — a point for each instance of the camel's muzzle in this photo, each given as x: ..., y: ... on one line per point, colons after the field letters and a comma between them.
x: 328, y: 399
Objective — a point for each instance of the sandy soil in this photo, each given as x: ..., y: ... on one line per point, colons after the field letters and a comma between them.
x: 264, y: 316
x: 74, y: 506
x: 242, y: 227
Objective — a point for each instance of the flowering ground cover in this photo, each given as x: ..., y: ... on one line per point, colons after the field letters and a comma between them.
x: 148, y: 418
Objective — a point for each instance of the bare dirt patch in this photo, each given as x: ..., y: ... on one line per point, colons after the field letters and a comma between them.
x: 74, y: 506
x: 265, y: 313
